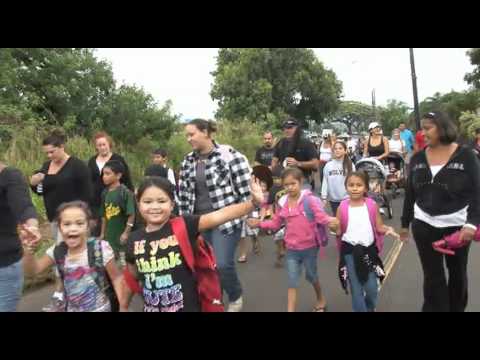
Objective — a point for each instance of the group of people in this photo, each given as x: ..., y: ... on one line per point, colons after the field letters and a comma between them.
x: 174, y: 241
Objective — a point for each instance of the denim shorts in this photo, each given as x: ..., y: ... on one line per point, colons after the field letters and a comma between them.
x: 295, y: 259
x: 11, y: 286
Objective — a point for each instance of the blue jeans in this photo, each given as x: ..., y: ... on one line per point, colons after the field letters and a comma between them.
x: 295, y: 259
x: 364, y: 297
x: 334, y: 205
x: 224, y: 247
x: 11, y: 286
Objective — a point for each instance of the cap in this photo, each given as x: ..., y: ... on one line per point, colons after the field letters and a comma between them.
x: 373, y: 125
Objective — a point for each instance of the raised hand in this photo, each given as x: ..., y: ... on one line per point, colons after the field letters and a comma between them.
x: 256, y: 191
x: 29, y: 236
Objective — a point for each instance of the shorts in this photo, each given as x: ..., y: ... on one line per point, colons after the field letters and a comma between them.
x: 295, y: 260
x: 247, y: 231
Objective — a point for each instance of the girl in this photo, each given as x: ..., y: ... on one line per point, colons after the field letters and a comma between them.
x: 334, y: 174
x: 85, y: 264
x: 360, y: 241
x: 300, y: 239
x: 154, y: 256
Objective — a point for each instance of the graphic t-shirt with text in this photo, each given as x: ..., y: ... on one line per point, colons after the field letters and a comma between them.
x: 168, y: 283
x: 116, y: 209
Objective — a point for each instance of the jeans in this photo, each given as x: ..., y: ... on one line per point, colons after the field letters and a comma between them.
x: 224, y: 247
x: 11, y: 286
x: 364, y: 297
x: 439, y: 294
x: 295, y: 259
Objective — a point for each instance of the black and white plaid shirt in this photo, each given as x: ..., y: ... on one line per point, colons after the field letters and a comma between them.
x: 227, y: 175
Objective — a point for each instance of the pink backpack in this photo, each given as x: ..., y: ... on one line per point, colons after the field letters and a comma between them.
x: 372, y: 212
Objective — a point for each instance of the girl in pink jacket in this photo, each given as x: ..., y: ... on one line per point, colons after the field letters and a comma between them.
x: 300, y: 237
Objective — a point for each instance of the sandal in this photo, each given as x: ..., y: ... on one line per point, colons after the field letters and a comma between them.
x: 320, y: 309
x: 242, y: 259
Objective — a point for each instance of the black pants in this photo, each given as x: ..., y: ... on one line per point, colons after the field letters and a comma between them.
x: 440, y: 295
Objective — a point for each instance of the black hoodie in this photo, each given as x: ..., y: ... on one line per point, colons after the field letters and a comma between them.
x: 455, y: 186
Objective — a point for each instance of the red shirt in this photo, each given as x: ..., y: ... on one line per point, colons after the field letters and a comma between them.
x: 420, y: 140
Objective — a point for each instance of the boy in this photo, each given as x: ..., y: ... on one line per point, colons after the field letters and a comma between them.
x: 117, y: 209
x: 159, y: 166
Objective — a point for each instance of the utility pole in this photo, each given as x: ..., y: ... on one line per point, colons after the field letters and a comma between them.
x: 415, y: 93
x: 374, y: 105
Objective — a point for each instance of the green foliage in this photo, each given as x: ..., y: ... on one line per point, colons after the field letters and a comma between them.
x: 354, y: 115
x: 469, y: 122
x: 264, y: 84
x: 393, y: 114
x: 473, y: 78
x: 453, y: 103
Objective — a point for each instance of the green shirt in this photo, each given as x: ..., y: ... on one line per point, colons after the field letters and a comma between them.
x: 116, y: 207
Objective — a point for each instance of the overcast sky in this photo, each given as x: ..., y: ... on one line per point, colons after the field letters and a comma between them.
x: 183, y: 75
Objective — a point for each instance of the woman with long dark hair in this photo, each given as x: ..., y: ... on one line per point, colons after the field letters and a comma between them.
x: 442, y: 197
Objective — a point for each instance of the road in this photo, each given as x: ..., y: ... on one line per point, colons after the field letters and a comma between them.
x: 265, y: 287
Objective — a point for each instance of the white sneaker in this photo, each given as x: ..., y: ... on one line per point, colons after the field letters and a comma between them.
x: 236, y: 306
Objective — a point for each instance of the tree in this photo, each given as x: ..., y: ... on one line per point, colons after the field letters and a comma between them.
x: 354, y: 115
x: 393, y: 114
x: 473, y: 78
x: 469, y: 122
x: 261, y: 83
x: 131, y: 114
x: 453, y: 103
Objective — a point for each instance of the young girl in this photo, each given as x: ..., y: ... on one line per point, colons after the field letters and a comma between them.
x: 334, y: 174
x: 154, y: 255
x: 360, y: 240
x: 302, y: 248
x: 84, y: 263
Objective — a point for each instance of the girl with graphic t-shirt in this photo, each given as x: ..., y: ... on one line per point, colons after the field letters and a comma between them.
x: 154, y: 256
x: 87, y: 285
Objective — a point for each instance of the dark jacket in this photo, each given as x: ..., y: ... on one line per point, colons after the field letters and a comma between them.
x: 456, y: 185
x: 97, y: 181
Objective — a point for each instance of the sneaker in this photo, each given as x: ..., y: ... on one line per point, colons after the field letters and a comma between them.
x: 57, y: 304
x: 236, y: 306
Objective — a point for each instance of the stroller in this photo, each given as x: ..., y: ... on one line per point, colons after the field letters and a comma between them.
x: 397, y: 173
x: 378, y: 178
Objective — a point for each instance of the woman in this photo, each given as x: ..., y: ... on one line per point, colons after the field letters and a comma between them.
x: 16, y: 208
x: 214, y: 176
x: 442, y: 197
x: 397, y: 149
x: 376, y: 145
x: 326, y: 150
x: 103, y: 144
x: 63, y: 178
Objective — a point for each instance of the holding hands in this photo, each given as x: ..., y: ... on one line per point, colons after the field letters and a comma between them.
x: 30, y: 237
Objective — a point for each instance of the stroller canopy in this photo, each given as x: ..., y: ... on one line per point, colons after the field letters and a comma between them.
x: 372, y: 167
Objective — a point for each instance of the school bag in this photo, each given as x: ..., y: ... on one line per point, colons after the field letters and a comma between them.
x: 201, y: 262
x: 95, y: 260
x: 124, y: 193
x: 372, y: 212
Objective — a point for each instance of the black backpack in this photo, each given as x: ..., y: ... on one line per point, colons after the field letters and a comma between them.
x: 95, y: 260
x: 124, y: 192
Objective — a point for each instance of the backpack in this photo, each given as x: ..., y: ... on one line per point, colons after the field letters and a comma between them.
x: 202, y: 263
x: 321, y: 236
x: 372, y: 212
x: 95, y: 260
x: 124, y: 193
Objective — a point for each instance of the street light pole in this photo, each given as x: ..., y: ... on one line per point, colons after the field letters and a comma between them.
x: 415, y: 93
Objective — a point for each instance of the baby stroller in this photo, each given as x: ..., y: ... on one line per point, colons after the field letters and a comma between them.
x: 397, y: 173
x: 378, y: 177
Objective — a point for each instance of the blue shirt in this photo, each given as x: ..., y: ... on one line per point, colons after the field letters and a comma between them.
x: 407, y: 136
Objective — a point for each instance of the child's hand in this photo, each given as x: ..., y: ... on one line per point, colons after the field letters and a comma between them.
x: 391, y: 231
x: 256, y: 191
x: 404, y: 234
x: 30, y: 237
x: 253, y: 223
x: 333, y: 224
x: 123, y: 238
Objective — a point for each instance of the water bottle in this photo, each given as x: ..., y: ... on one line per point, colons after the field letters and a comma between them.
x: 40, y: 188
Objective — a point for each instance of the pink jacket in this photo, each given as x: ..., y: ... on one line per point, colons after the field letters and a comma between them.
x: 299, y: 234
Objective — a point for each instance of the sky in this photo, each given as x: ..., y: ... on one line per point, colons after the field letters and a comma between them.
x: 183, y: 74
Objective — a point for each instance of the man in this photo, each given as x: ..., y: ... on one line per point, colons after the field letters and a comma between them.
x: 294, y: 150
x: 407, y: 136
x: 264, y: 155
x: 159, y: 166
